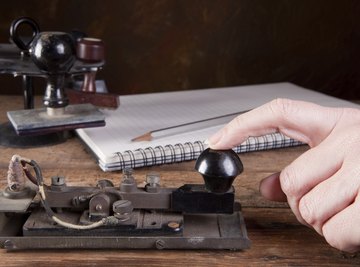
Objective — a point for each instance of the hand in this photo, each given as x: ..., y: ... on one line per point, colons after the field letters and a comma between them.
x: 322, y: 186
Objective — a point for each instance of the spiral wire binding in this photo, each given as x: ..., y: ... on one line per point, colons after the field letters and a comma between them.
x: 189, y: 151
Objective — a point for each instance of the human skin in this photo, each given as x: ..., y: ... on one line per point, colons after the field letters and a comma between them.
x: 322, y: 186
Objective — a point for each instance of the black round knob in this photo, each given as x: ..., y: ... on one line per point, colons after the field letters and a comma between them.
x: 53, y: 52
x: 219, y: 169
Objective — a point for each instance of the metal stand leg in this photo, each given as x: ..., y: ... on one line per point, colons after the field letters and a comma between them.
x: 28, y: 92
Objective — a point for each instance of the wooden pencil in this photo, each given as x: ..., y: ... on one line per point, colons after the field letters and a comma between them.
x: 175, y: 129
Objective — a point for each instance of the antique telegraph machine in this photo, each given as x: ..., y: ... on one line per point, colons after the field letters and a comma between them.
x: 193, y: 216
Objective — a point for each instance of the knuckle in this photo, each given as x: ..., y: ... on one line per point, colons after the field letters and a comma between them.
x: 283, y: 107
x: 288, y: 178
x: 227, y: 133
x: 238, y: 121
x: 308, y: 211
x: 340, y: 236
x: 334, y: 239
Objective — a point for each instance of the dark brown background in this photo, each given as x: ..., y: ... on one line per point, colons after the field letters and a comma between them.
x: 164, y: 45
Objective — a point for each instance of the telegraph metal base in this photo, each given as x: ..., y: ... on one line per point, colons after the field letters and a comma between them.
x: 193, y: 231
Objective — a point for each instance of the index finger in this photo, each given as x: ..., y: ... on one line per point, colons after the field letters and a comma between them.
x: 303, y: 121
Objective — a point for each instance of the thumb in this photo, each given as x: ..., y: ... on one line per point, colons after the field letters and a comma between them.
x: 270, y: 188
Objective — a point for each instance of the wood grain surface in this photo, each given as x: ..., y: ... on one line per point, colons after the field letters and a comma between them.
x: 277, y: 238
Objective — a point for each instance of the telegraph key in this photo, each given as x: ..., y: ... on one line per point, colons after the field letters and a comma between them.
x: 193, y: 216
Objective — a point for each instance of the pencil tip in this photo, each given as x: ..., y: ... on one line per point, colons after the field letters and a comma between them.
x: 143, y: 137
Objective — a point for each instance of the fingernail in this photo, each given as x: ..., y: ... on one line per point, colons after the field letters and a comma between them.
x: 213, y: 140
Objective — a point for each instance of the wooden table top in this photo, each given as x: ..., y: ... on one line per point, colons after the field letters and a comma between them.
x: 277, y: 238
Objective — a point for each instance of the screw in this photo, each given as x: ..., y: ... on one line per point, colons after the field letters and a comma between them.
x: 128, y: 181
x: 160, y: 244
x: 58, y: 180
x: 13, y: 187
x: 153, y: 179
x: 98, y: 207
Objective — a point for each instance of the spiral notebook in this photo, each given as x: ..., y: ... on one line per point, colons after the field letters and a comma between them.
x: 138, y: 114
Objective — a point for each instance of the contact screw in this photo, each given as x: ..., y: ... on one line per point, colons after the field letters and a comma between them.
x: 152, y: 182
x: 128, y: 183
